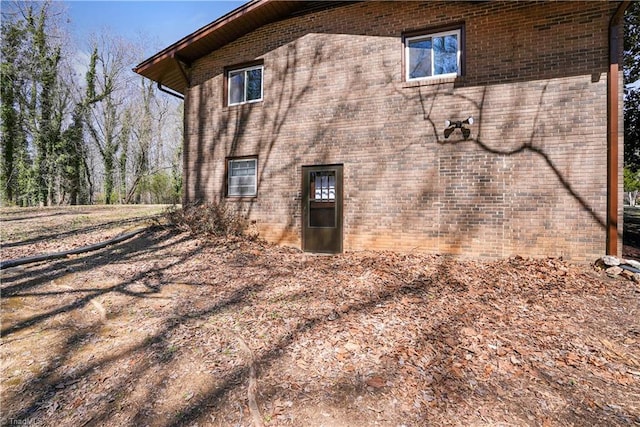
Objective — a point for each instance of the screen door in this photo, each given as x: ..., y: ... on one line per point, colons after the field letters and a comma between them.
x: 322, y: 209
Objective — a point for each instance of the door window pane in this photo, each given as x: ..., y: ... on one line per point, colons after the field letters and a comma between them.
x: 323, y: 186
x: 322, y: 199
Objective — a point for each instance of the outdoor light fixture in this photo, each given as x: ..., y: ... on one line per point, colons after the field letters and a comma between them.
x: 450, y: 126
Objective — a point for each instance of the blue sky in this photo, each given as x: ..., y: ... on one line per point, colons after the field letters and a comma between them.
x: 160, y: 22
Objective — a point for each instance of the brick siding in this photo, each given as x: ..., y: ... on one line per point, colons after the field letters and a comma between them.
x: 530, y: 181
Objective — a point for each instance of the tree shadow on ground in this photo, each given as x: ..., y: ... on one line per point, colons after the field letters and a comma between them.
x: 80, y: 230
x: 61, y: 372
x: 226, y: 289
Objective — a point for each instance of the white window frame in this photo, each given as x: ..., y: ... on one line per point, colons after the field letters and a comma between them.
x: 244, y: 97
x: 457, y: 32
x: 235, y: 182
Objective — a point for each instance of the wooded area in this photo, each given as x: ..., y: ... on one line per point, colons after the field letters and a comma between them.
x: 631, y: 70
x: 81, y: 133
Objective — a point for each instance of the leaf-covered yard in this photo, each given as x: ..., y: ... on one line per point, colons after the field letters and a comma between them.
x: 166, y: 329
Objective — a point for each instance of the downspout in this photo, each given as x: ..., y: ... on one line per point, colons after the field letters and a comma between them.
x: 613, y: 105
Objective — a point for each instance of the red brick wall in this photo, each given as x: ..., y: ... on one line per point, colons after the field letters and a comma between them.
x: 531, y: 180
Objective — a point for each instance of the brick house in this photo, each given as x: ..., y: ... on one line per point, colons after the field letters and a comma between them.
x: 345, y: 125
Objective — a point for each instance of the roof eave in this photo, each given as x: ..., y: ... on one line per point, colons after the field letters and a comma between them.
x: 175, y: 48
x: 165, y: 66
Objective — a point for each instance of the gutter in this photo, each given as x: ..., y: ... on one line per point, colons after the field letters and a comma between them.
x: 170, y: 92
x: 613, y: 115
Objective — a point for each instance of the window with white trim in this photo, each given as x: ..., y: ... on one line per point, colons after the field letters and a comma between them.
x: 242, y: 177
x: 244, y: 85
x: 433, y: 55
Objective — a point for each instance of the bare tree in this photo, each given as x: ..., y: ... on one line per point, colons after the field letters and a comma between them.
x: 106, y: 121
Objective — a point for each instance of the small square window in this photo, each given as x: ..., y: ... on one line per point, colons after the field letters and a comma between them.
x: 242, y: 177
x: 244, y: 85
x: 433, y: 55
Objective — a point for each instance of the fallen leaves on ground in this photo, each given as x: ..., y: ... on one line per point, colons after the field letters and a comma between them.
x: 167, y: 329
x: 37, y: 231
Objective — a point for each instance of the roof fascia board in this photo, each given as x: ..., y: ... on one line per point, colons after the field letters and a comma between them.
x: 174, y: 49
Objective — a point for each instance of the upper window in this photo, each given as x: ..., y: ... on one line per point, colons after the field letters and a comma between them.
x: 244, y: 85
x: 433, y: 55
x: 242, y: 177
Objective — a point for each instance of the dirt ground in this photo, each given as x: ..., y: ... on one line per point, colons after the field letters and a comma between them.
x: 167, y: 329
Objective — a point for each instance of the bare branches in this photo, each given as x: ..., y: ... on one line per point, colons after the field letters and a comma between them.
x: 70, y: 138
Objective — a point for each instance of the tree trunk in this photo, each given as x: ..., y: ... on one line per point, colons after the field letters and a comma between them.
x: 108, y: 174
